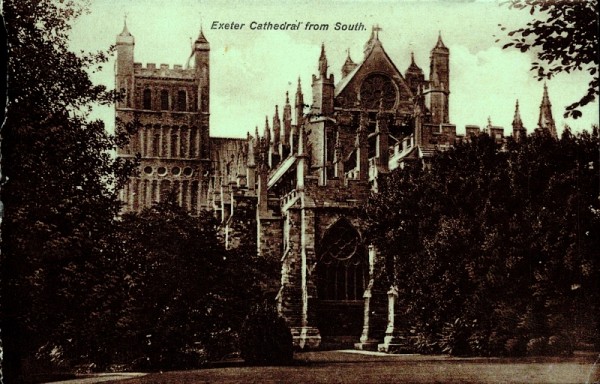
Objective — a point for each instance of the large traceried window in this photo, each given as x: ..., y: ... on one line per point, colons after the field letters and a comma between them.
x: 342, y: 267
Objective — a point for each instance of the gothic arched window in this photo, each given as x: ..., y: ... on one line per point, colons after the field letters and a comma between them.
x: 147, y: 99
x: 181, y: 101
x: 164, y: 100
x: 342, y: 267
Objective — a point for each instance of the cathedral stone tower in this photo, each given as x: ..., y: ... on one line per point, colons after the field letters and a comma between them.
x: 322, y: 88
x: 170, y: 106
x: 439, y: 88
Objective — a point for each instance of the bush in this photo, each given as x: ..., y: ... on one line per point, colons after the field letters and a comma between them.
x: 424, y: 342
x: 537, y: 346
x: 454, y: 338
x: 560, y: 346
x: 515, y: 347
x: 265, y: 337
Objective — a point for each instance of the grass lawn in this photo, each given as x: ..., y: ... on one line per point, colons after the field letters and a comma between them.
x: 354, y: 367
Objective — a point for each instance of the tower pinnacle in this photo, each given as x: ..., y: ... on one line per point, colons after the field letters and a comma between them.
x: 440, y: 43
x: 546, y: 121
x: 323, y: 62
x: 349, y: 65
x: 517, y: 124
x: 125, y: 31
x: 125, y: 37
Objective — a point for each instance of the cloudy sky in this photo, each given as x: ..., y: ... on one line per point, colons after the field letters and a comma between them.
x: 251, y: 70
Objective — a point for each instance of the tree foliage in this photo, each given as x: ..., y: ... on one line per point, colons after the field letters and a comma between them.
x: 494, y: 250
x: 81, y: 284
x: 60, y: 181
x: 173, y: 296
x: 265, y: 337
x: 564, y: 38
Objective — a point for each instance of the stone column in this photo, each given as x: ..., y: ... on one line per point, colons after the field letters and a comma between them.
x: 306, y: 336
x: 199, y: 196
x: 148, y: 193
x: 394, y: 341
x: 156, y: 190
x: 366, y: 341
x: 197, y: 140
x: 188, y: 143
x: 141, y: 136
x: 169, y: 144
x: 161, y: 141
x: 188, y: 195
x: 180, y: 194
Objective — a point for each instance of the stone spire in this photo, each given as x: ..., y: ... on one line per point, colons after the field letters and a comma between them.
x: 251, y: 161
x: 323, y: 62
x: 276, y: 130
x: 299, y: 103
x: 287, y: 121
x: 517, y: 124
x: 125, y: 31
x: 201, y: 38
x: 348, y: 66
x: 440, y: 43
x: 546, y: 121
x: 125, y: 37
x: 251, y: 164
x: 267, y: 132
x: 488, y: 127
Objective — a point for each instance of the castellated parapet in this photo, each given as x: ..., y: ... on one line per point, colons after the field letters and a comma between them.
x: 164, y: 71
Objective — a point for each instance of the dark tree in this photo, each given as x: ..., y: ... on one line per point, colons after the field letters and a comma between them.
x: 174, y: 297
x: 494, y: 249
x: 60, y: 180
x: 564, y: 37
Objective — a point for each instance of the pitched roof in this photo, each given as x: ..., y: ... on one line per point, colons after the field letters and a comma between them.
x: 371, y: 45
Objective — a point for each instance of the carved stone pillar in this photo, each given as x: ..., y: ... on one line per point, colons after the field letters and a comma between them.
x: 367, y: 342
x: 394, y: 340
x: 142, y: 141
x: 161, y: 141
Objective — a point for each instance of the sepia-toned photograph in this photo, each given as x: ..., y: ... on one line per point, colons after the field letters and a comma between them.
x: 358, y: 191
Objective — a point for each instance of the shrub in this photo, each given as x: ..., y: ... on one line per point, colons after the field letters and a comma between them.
x: 537, y: 346
x: 265, y: 337
x: 425, y: 343
x: 454, y: 338
x: 560, y: 345
x: 515, y: 347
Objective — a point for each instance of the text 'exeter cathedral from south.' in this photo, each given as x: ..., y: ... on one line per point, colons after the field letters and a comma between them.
x: 304, y: 176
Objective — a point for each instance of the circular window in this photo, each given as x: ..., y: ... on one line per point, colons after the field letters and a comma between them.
x: 176, y: 171
x: 162, y: 171
x: 148, y: 170
x: 188, y: 171
x: 375, y: 89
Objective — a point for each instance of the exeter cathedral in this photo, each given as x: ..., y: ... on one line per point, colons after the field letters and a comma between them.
x: 303, y: 177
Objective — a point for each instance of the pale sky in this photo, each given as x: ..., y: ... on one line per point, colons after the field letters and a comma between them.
x: 251, y: 70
